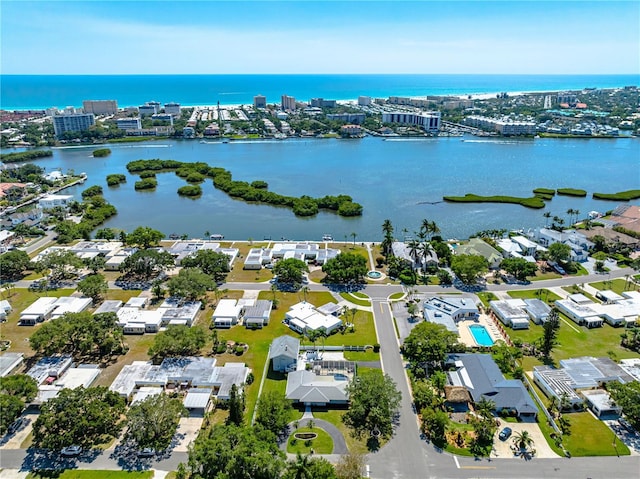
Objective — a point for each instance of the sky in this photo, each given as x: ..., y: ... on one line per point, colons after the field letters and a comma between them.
x: 216, y: 37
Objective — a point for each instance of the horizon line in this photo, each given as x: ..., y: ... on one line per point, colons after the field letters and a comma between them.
x: 319, y: 74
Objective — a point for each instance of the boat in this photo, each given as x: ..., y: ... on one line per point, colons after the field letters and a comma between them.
x: 326, y: 237
x: 174, y: 236
x: 216, y: 237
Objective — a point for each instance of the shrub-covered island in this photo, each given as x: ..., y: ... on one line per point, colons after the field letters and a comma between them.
x: 533, y: 202
x: 255, y: 192
x: 115, y: 179
x: 101, y: 152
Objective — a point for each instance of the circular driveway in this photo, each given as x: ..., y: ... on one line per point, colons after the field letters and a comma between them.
x: 339, y: 444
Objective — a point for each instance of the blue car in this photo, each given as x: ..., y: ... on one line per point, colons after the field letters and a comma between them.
x: 505, y: 434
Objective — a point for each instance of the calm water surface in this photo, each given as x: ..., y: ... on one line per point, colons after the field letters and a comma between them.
x: 397, y: 179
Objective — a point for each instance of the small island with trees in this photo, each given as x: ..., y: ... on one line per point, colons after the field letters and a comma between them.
x: 101, y: 152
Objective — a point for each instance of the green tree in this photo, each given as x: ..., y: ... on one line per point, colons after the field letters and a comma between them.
x: 428, y: 344
x: 468, y: 267
x: 153, y: 421
x: 273, y: 412
x: 484, y: 428
x: 210, y: 262
x: 106, y: 234
x: 549, y: 337
x: 627, y: 396
x: 523, y: 442
x: 95, y: 264
x: 559, y: 252
x: 144, y: 237
x: 147, y: 263
x: 346, y: 268
x: 434, y: 425
x: 62, y: 263
x: 85, y: 417
x: 177, y: 341
x: 236, y: 407
x: 387, y: 241
x: 13, y: 264
x: 424, y: 395
x: 19, y: 385
x: 307, y: 467
x: 93, y: 286
x: 374, y: 402
x: 233, y: 452
x: 350, y: 466
x: 290, y: 271
x: 10, y: 409
x: 81, y: 335
x: 520, y: 268
x: 190, y: 283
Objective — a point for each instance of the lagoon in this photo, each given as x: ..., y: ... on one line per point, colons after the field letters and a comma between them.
x: 400, y: 179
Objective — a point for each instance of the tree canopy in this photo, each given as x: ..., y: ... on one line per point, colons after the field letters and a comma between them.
x: 308, y: 467
x: 15, y: 391
x: 467, y: 267
x: 234, y: 452
x: 627, y: 396
x: 13, y: 264
x: 210, y: 262
x: 520, y: 268
x: 144, y: 237
x: 429, y: 343
x: 290, y: 271
x: 559, y: 252
x: 94, y: 286
x: 374, y: 402
x: 80, y: 335
x: 345, y: 268
x: 80, y: 416
x: 147, y: 263
x: 153, y: 421
x: 62, y: 263
x: 274, y: 412
x: 177, y: 341
x: 190, y: 283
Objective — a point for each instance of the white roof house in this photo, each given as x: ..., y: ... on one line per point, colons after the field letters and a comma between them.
x: 137, y: 302
x: 9, y: 362
x: 51, y: 366
x: 303, y: 317
x: 197, y: 401
x: 511, y: 312
x: 448, y: 311
x: 179, y: 313
x: 227, y: 313
x: 537, y: 310
x: 600, y: 402
x: 139, y: 321
x: 51, y: 201
x: 70, y: 304
x: 608, y: 296
x: 109, y: 306
x: 5, y: 309
x: 91, y: 249
x: 257, y: 258
x: 39, y: 311
x: 580, y: 313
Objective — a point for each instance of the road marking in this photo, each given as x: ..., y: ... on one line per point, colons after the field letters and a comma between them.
x: 477, y: 467
x: 455, y: 458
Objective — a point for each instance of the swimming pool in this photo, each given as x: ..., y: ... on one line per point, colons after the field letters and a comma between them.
x: 481, y: 335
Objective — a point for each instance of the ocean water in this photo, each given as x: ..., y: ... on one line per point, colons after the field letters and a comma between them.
x: 23, y: 92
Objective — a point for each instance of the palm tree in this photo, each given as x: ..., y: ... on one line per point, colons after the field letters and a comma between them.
x: 207, y: 234
x: 547, y: 215
x: 523, y: 442
x: 576, y: 212
x: 425, y: 252
x: 387, y: 241
x: 414, y: 251
x: 300, y: 468
x: 353, y: 235
x: 485, y: 407
x: 304, y: 292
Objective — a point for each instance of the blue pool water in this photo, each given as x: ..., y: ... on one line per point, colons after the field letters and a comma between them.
x: 481, y: 335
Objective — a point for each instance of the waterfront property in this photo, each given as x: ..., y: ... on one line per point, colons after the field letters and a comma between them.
x: 72, y: 122
x: 476, y: 246
x: 578, y: 242
x: 480, y: 375
x: 183, y: 249
x: 51, y: 201
x: 417, y: 260
x: 429, y: 121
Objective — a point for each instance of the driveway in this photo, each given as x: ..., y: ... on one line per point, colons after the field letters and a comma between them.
x: 13, y: 441
x: 339, y: 444
x: 187, y: 431
x: 502, y: 449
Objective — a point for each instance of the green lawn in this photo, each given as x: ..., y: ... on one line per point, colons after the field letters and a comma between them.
x: 367, y: 355
x: 617, y: 285
x: 546, y: 275
x: 485, y: 297
x: 396, y: 296
x: 575, y: 341
x: 334, y: 416
x: 543, y: 294
x: 591, y: 437
x: 350, y: 297
x: 323, y: 444
x: 84, y: 474
x: 364, y: 331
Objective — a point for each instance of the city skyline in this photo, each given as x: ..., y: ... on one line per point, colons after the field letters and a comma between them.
x: 243, y: 37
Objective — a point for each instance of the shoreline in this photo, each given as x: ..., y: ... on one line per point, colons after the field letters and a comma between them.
x: 461, y: 96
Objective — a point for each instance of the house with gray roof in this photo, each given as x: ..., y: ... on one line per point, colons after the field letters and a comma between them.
x: 477, y: 246
x: 403, y: 250
x: 480, y: 375
x: 448, y: 311
x: 284, y: 353
x: 257, y: 316
x: 308, y: 388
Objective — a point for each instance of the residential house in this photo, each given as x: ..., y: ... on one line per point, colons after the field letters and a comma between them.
x: 39, y: 311
x: 313, y: 390
x: 480, y: 375
x: 304, y: 318
x: 417, y: 260
x: 449, y: 311
x: 511, y: 312
x: 257, y: 315
x: 51, y: 201
x: 226, y: 314
x: 477, y: 246
x: 5, y: 309
x: 284, y: 353
x: 9, y: 363
x: 578, y: 242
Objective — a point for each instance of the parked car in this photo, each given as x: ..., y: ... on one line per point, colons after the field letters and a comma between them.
x: 505, y: 434
x: 625, y: 424
x: 71, y: 451
x: 146, y: 452
x: 17, y: 424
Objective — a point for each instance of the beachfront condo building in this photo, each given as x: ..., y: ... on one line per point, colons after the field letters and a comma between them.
x: 259, y: 101
x: 173, y: 109
x: 72, y: 122
x: 288, y: 103
x: 428, y: 120
x: 100, y: 107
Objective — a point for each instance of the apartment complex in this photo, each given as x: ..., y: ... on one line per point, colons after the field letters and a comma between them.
x: 100, y: 107
x: 259, y: 101
x: 288, y: 103
x: 505, y: 127
x: 428, y: 120
x: 72, y: 122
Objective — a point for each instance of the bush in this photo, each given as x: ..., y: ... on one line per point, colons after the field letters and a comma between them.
x: 239, y: 350
x: 376, y: 348
x: 250, y: 379
x: 101, y: 152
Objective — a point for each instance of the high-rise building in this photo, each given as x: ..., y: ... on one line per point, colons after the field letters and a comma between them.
x: 129, y: 123
x: 322, y: 103
x: 259, y: 101
x: 288, y: 103
x: 364, y: 100
x: 428, y: 120
x: 100, y: 107
x: 72, y: 122
x: 172, y: 109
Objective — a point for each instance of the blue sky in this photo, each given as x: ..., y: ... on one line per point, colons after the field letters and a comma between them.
x: 122, y: 37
